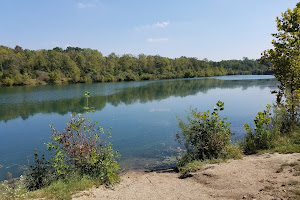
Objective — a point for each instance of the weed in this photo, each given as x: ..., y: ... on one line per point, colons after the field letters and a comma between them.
x: 292, y: 164
x: 292, y: 182
x: 279, y: 170
x: 297, y: 192
x: 64, y: 188
x: 268, y: 188
x: 297, y: 173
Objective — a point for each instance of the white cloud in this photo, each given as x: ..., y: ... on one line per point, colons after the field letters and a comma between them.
x: 68, y: 45
x: 153, y: 26
x: 161, y: 24
x: 86, y: 5
x: 157, y: 40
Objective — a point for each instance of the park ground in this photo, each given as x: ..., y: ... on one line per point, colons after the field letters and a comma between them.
x: 266, y: 176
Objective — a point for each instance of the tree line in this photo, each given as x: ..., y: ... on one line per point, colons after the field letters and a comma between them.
x: 84, y: 65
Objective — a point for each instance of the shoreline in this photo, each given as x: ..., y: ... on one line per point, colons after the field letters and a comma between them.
x: 252, y: 177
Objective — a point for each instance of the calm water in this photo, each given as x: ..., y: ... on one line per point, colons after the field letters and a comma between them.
x: 142, y: 115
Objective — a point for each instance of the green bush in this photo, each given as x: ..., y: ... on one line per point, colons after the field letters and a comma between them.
x: 82, y: 147
x: 261, y: 137
x: 81, y: 150
x: 272, y: 133
x: 40, y: 174
x: 205, y: 136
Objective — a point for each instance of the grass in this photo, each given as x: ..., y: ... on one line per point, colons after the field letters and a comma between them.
x: 63, y: 189
x: 297, y: 193
x: 292, y: 164
x: 12, y: 191
x: 190, y: 167
x: 230, y: 152
x: 292, y: 182
x: 288, y: 144
x: 58, y: 190
x: 268, y: 188
x: 279, y: 170
x: 284, y: 145
x: 297, y: 173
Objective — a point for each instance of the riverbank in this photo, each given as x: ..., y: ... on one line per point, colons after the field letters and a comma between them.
x: 266, y: 176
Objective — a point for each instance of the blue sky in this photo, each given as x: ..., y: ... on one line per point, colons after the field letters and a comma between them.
x: 212, y: 29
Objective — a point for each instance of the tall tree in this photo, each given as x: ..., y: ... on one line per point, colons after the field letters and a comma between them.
x: 285, y: 58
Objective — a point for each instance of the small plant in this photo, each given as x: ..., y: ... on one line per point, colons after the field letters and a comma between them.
x: 268, y: 188
x: 292, y: 182
x: 291, y: 164
x: 297, y: 193
x: 262, y: 136
x: 205, y: 136
x: 82, y: 147
x: 81, y: 151
x: 40, y: 174
x: 296, y: 173
x: 279, y: 170
x: 190, y: 167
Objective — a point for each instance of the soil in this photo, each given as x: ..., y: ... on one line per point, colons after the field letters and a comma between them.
x: 266, y: 176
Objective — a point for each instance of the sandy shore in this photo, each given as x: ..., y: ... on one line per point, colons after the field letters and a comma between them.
x: 253, y: 177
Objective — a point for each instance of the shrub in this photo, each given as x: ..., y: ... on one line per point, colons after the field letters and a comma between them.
x: 261, y: 137
x: 281, y: 121
x: 82, y: 147
x: 40, y: 174
x: 205, y: 136
x: 81, y: 150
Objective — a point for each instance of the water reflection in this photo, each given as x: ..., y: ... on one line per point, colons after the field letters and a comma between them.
x: 27, y: 101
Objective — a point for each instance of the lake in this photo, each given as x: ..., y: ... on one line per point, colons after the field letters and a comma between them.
x: 142, y: 115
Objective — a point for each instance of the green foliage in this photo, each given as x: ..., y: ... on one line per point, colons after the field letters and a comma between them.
x: 7, y: 81
x: 75, y: 64
x: 185, y: 166
x: 54, y: 77
x: 261, y: 137
x: 63, y: 188
x: 40, y: 174
x: 231, y: 151
x: 288, y: 143
x: 81, y: 151
x: 272, y: 133
x: 282, y: 134
x: 82, y: 147
x: 205, y: 136
x: 285, y: 60
x: 189, y: 167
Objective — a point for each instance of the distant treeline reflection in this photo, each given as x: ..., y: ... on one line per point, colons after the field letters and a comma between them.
x: 148, y: 92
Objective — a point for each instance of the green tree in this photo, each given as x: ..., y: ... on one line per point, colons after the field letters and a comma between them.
x: 7, y: 81
x: 54, y: 77
x: 285, y: 59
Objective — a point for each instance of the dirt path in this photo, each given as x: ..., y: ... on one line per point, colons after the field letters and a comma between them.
x: 253, y: 177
